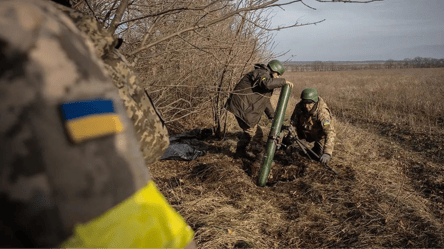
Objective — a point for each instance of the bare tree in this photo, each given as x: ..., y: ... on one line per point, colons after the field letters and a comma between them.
x: 189, y: 54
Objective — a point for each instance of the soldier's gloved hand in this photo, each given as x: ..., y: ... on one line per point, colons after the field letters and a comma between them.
x: 287, y: 140
x: 325, y: 158
x: 289, y: 83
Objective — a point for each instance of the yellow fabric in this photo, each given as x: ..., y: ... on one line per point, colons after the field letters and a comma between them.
x: 93, y: 126
x: 144, y: 220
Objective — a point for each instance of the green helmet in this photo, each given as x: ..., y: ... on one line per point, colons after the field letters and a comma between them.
x: 310, y: 94
x: 276, y: 66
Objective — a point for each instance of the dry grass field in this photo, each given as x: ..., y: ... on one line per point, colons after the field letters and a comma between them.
x: 388, y: 153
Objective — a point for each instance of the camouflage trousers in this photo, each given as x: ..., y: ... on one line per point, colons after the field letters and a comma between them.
x: 252, y: 136
x: 319, y: 146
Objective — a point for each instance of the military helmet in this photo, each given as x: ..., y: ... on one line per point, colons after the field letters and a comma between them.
x: 276, y: 66
x: 310, y: 94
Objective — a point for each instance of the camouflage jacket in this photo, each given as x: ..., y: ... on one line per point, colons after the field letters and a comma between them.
x: 316, y: 125
x: 151, y: 131
x: 50, y: 183
x: 251, y: 96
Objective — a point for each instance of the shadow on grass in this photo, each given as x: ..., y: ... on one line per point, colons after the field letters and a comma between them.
x: 424, y: 167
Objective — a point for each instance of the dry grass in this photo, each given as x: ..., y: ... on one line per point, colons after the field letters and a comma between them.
x: 390, y: 191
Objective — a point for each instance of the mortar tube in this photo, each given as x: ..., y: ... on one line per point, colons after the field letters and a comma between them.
x: 274, y: 134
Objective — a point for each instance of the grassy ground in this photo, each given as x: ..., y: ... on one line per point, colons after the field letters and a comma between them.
x: 388, y: 152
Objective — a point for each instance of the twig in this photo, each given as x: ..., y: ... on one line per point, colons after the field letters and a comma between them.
x: 94, y: 14
x: 348, y: 1
x: 118, y: 16
x: 78, y: 4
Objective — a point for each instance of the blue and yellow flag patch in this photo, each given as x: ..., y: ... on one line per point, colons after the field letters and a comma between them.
x: 327, y: 122
x: 88, y: 119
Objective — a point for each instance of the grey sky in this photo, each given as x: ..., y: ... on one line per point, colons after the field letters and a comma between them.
x: 391, y: 29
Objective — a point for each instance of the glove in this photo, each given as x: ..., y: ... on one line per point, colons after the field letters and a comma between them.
x: 325, y: 158
x: 289, y: 83
x: 287, y: 140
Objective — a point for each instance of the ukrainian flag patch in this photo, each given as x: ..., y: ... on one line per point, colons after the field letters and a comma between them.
x: 326, y: 123
x: 88, y: 119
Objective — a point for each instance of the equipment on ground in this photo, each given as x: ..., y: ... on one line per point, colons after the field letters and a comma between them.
x: 274, y: 135
x: 304, y: 148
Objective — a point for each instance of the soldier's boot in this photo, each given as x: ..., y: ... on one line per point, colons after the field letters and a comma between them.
x: 259, y: 153
x: 257, y: 144
x: 241, y: 148
x: 257, y: 148
x: 255, y: 170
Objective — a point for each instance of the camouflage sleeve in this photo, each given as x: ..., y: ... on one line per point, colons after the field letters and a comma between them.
x: 262, y: 78
x: 151, y: 132
x: 49, y: 183
x: 326, y: 120
x: 102, y: 41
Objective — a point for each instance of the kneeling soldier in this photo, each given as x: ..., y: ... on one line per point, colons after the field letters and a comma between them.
x: 312, y: 120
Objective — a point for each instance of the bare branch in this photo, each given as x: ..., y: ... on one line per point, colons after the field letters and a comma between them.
x: 148, y: 33
x: 170, y: 11
x: 306, y: 5
x: 94, y: 14
x: 201, y: 49
x: 348, y: 1
x: 110, y: 10
x: 78, y: 4
x: 285, y: 27
x: 119, y: 14
x: 217, y: 20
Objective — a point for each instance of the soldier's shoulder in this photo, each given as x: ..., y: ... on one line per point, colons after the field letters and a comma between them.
x: 102, y: 40
x: 323, y: 102
x: 324, y: 115
x: 323, y: 105
x: 260, y: 66
x: 37, y: 37
x: 261, y: 71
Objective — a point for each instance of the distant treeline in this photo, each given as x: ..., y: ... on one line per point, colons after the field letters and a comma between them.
x: 417, y: 62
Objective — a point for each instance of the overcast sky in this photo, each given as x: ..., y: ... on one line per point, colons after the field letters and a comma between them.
x: 390, y: 29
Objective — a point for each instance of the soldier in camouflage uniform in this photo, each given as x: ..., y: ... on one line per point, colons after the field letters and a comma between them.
x: 250, y: 99
x: 58, y: 168
x: 313, y: 121
x: 152, y: 133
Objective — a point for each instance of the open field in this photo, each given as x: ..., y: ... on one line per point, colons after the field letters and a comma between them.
x: 388, y: 152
